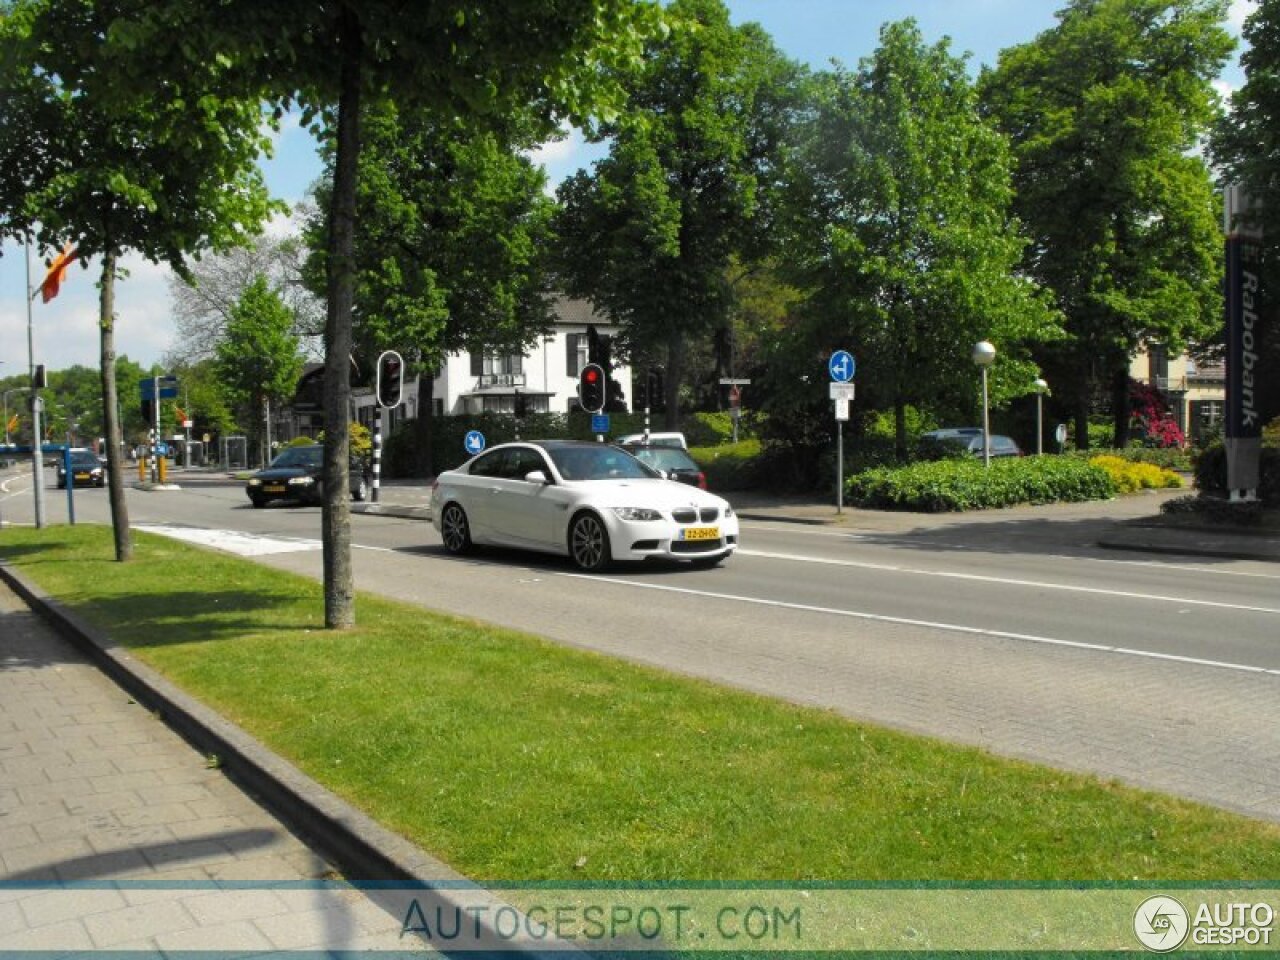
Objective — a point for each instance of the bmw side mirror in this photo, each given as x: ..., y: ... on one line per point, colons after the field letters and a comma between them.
x: 536, y: 476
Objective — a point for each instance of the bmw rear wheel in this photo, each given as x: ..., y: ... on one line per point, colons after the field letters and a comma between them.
x: 589, y: 543
x: 454, y: 530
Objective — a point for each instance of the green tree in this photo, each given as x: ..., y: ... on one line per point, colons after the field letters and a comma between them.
x: 903, y: 239
x: 1104, y: 111
x: 165, y: 170
x: 461, y: 57
x: 650, y: 234
x: 453, y: 225
x: 1246, y: 144
x: 203, y: 300
x: 258, y: 360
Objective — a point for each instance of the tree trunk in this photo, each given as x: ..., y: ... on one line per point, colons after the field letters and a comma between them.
x: 111, y: 409
x: 900, y: 429
x: 1082, y: 420
x: 1120, y: 407
x: 671, y: 382
x: 339, y: 580
x: 423, y: 457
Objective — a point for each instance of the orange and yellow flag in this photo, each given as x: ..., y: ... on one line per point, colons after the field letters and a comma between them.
x: 57, y: 270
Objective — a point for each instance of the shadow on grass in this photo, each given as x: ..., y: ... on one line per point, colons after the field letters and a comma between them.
x: 186, y: 616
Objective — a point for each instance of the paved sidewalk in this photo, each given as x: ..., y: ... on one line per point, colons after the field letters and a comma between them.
x: 93, y: 788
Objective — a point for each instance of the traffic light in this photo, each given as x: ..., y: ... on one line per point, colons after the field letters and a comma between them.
x: 591, y: 387
x: 390, y: 383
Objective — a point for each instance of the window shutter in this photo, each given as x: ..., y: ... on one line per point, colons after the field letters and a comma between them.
x: 571, y: 355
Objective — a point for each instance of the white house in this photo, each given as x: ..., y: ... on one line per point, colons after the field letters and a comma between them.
x: 546, y: 377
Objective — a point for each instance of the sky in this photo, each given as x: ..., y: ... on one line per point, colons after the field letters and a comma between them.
x: 64, y: 331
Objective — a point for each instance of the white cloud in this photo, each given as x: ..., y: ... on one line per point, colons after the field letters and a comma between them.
x: 1240, y: 11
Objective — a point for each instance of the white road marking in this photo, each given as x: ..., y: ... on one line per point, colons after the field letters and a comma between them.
x: 934, y: 625
x: 232, y: 541
x: 980, y: 578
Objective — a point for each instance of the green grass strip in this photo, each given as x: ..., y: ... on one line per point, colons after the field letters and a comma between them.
x: 512, y: 758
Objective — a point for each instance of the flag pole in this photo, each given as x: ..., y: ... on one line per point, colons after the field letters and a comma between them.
x: 37, y: 404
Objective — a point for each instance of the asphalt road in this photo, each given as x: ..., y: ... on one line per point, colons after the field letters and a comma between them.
x: 1019, y: 637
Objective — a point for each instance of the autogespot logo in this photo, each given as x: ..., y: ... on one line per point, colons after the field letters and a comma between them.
x: 1161, y: 924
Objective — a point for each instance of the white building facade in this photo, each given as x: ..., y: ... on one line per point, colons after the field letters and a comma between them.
x: 545, y: 378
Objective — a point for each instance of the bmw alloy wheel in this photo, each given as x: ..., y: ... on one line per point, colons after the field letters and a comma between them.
x: 454, y: 530
x: 589, y: 543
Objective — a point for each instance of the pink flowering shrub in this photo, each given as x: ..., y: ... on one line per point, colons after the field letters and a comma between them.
x: 1149, y: 412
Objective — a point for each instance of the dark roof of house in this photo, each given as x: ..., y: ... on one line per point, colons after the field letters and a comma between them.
x: 568, y: 310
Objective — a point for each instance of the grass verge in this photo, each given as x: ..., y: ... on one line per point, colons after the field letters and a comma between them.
x: 516, y: 759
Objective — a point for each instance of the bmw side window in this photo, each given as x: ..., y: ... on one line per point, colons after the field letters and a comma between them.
x: 489, y: 465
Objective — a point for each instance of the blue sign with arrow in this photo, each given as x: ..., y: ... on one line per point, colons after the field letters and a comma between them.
x: 474, y: 442
x: 841, y: 366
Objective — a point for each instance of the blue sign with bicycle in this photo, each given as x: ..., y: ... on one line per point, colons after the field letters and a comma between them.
x: 474, y: 442
x: 841, y: 366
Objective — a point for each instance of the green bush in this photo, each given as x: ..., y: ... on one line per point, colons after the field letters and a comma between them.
x: 1211, y: 472
x: 954, y: 485
x: 730, y: 466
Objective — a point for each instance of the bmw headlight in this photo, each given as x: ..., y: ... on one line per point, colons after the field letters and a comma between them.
x: 728, y: 510
x: 637, y: 514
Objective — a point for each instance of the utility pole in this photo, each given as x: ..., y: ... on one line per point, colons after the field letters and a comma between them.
x: 37, y: 405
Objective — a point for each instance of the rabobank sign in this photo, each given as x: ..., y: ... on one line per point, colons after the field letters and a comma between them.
x: 1244, y: 335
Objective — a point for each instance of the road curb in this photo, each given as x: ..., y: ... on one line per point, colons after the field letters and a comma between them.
x: 361, y: 847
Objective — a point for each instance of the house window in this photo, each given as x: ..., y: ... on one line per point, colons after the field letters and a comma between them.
x: 577, y: 353
x: 497, y: 370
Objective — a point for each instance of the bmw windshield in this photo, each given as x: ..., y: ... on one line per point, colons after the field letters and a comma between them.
x: 601, y: 462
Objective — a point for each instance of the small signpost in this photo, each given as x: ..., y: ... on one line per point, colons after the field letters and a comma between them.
x: 474, y: 442
x: 600, y: 424
x: 841, y: 366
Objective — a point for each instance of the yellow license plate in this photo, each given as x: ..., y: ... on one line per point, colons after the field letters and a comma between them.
x: 274, y: 488
x: 82, y: 476
x: 701, y: 533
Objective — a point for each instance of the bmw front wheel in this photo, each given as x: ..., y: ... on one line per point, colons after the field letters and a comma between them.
x: 589, y: 543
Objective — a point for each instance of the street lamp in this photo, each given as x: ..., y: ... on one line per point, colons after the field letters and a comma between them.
x: 1041, y: 389
x: 984, y: 354
x: 6, y: 409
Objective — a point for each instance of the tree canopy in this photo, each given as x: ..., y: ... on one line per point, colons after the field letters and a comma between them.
x: 650, y: 233
x: 1105, y: 111
x: 902, y: 232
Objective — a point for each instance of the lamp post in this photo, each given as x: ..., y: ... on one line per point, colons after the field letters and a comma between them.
x: 1041, y: 389
x: 984, y: 354
x: 6, y: 409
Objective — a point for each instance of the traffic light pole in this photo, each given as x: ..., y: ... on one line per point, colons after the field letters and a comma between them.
x: 377, y: 453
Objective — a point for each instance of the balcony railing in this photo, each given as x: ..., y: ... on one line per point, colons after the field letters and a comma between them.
x: 490, y: 380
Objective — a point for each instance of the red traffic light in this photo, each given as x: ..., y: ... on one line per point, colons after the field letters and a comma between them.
x: 591, y: 388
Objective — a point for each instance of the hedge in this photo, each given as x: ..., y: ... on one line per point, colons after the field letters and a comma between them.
x: 956, y: 485
x: 1211, y: 472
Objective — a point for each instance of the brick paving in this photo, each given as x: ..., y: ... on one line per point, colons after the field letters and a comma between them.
x: 96, y: 791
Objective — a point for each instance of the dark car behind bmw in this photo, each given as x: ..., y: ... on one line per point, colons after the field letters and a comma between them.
x: 297, y: 473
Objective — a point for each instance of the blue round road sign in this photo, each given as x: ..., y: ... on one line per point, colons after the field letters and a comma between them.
x: 474, y: 442
x: 841, y: 366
